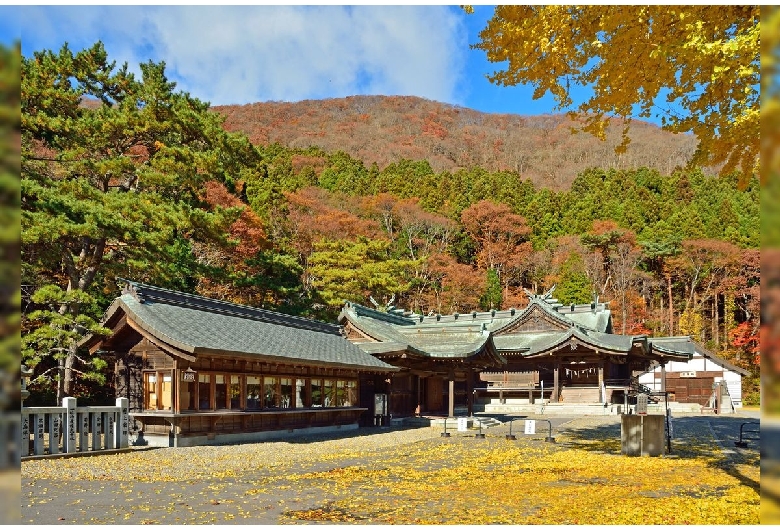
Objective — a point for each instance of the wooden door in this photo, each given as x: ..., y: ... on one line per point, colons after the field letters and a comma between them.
x: 434, y: 391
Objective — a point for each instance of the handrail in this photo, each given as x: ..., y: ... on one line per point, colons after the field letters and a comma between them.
x: 743, y: 443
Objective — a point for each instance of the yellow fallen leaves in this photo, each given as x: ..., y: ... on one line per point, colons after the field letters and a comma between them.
x: 582, y: 479
x: 514, y: 483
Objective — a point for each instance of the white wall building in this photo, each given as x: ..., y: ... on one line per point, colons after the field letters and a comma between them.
x: 693, y: 381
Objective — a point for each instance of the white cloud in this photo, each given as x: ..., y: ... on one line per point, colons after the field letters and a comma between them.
x: 242, y: 54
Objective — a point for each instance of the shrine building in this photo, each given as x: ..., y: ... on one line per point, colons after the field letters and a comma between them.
x: 549, y: 351
x: 202, y: 371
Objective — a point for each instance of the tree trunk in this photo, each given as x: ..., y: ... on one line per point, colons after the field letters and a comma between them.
x: 91, y: 256
x: 671, y: 303
x: 60, y: 381
x: 714, y: 317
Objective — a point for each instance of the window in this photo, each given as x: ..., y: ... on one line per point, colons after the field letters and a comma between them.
x: 150, y: 391
x: 352, y: 394
x: 166, y: 392
x: 253, y: 392
x: 270, y: 392
x: 316, y: 392
x: 346, y: 393
x: 187, y: 394
x: 329, y: 390
x: 286, y: 393
x: 220, y: 391
x: 234, y: 392
x: 204, y: 391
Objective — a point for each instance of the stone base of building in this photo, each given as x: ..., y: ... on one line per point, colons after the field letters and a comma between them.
x: 158, y: 440
x: 586, y: 409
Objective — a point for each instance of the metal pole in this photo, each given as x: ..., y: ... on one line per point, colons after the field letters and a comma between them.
x: 480, y: 435
x: 511, y: 436
x: 549, y: 437
x: 445, y: 434
x: 668, y: 431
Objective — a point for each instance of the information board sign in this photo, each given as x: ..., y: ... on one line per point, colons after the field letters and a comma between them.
x: 641, y: 404
x: 530, y: 426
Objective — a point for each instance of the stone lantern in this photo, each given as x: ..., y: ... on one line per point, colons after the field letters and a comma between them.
x: 25, y: 373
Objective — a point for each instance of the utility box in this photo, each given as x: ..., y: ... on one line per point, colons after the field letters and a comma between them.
x: 642, y: 435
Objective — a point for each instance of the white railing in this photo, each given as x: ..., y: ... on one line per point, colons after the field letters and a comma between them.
x: 72, y: 429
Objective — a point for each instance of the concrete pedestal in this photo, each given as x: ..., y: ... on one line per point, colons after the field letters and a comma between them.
x: 642, y: 434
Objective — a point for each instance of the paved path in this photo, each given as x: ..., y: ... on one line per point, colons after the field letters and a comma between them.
x: 201, y: 485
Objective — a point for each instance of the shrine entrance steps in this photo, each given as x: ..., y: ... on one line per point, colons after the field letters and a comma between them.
x: 586, y: 409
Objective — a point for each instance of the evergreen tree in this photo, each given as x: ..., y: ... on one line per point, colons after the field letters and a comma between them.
x: 491, y: 298
x: 112, y: 170
x: 574, y: 287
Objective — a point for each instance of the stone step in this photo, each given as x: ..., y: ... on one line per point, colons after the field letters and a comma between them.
x: 474, y: 422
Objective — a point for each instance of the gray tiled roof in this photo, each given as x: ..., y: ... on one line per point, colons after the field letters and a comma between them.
x: 198, y: 330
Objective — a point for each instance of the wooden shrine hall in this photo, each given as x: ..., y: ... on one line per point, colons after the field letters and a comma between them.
x: 200, y: 371
x: 562, y: 353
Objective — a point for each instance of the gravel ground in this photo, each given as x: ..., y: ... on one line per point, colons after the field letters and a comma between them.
x: 201, y: 485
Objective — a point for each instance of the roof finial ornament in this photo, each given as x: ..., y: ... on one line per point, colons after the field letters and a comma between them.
x: 549, y: 293
x: 384, y: 308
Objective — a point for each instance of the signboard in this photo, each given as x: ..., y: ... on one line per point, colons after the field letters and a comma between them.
x: 530, y: 426
x: 380, y: 404
x: 188, y: 376
x: 641, y: 404
x: 687, y: 374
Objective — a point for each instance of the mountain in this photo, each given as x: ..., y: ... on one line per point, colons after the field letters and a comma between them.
x: 386, y: 129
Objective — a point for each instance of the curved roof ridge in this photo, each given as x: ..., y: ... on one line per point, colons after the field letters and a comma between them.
x: 149, y: 293
x: 544, y: 306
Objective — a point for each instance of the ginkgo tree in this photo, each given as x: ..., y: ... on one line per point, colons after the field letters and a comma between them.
x: 696, y: 67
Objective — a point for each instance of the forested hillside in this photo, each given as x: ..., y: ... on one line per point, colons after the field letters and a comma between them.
x: 148, y: 184
x: 388, y: 129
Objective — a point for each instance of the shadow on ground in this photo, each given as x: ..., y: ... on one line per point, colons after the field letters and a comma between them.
x: 693, y: 437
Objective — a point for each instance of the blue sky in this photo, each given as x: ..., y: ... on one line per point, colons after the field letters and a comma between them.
x: 244, y: 54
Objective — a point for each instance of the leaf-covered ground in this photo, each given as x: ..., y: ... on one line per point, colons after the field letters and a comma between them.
x: 412, y: 477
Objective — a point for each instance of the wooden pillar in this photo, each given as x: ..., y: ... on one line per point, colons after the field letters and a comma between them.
x: 602, y: 391
x: 663, y: 377
x: 470, y: 392
x: 556, y: 371
x: 451, y: 396
x: 418, y: 410
x: 176, y: 391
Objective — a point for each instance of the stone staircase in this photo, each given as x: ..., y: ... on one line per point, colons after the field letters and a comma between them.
x: 474, y: 422
x: 486, y: 422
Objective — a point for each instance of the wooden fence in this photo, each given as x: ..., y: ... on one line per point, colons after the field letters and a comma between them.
x: 72, y: 429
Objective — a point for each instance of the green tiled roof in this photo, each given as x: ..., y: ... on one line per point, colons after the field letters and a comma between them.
x: 201, y: 325
x: 440, y: 336
x: 672, y: 345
